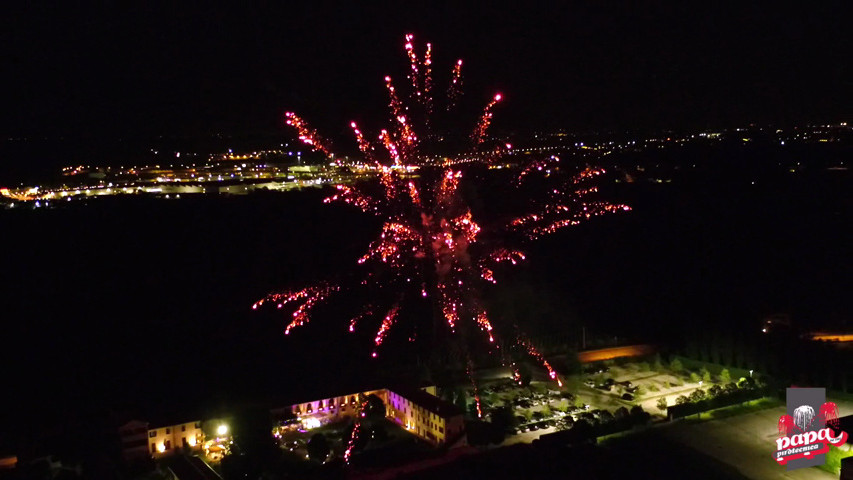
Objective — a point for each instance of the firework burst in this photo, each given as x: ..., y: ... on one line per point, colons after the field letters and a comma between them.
x: 424, y: 247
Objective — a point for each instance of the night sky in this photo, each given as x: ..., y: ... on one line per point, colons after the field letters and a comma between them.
x: 173, y: 68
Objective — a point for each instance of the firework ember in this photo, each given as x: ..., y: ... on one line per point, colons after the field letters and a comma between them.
x: 455, y: 89
x: 306, y: 134
x: 485, y: 120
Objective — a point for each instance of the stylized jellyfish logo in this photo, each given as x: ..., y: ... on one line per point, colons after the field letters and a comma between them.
x: 803, y: 417
x: 786, y: 426
x: 828, y: 413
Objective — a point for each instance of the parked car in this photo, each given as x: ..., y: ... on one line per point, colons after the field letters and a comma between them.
x: 627, y: 396
x: 610, y: 382
x: 589, y: 383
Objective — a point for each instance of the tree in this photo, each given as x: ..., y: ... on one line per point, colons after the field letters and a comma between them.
x: 697, y: 395
x: 706, y: 375
x: 657, y: 364
x: 694, y: 377
x: 681, y: 400
x: 318, y: 447
x: 638, y: 415
x: 460, y: 400
x: 621, y: 413
x: 374, y: 409
x: 662, y: 404
x: 605, y: 416
x: 503, y: 418
x: 546, y: 411
x: 676, y: 365
x: 565, y: 423
x: 725, y: 376
x: 715, y: 390
x: 746, y: 383
x: 644, y: 366
x: 730, y: 387
x: 572, y: 365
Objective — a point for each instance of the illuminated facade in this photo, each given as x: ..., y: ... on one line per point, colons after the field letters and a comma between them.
x: 417, y: 410
x: 165, y: 440
x: 427, y: 416
x: 320, y: 412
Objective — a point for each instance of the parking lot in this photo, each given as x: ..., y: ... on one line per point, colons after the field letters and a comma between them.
x: 596, y: 395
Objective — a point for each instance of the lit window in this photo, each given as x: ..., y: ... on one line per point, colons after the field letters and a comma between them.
x: 152, y: 434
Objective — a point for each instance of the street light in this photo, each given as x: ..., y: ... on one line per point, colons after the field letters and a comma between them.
x: 750, y: 373
x: 222, y: 429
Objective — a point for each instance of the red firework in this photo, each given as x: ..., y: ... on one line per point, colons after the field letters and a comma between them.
x: 424, y: 249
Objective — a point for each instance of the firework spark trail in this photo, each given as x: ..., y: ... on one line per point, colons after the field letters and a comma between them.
x: 448, y: 186
x: 568, y: 203
x: 536, y: 166
x: 387, y: 323
x: 306, y: 134
x: 363, y: 145
x: 368, y: 311
x: 391, y: 243
x: 587, y: 211
x: 312, y: 296
x: 413, y: 60
x: 351, y: 442
x: 485, y: 120
x: 487, y: 274
x: 533, y: 352
x: 485, y: 325
x: 284, y: 298
x: 353, y: 197
x: 466, y: 224
x: 454, y: 91
x: 356, y: 429
x: 427, y: 101
x: 395, y: 106
x: 506, y: 255
x: 390, y: 146
x: 414, y: 194
x: 301, y: 315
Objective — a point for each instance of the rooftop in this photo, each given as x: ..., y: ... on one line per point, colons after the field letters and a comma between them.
x: 428, y: 401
